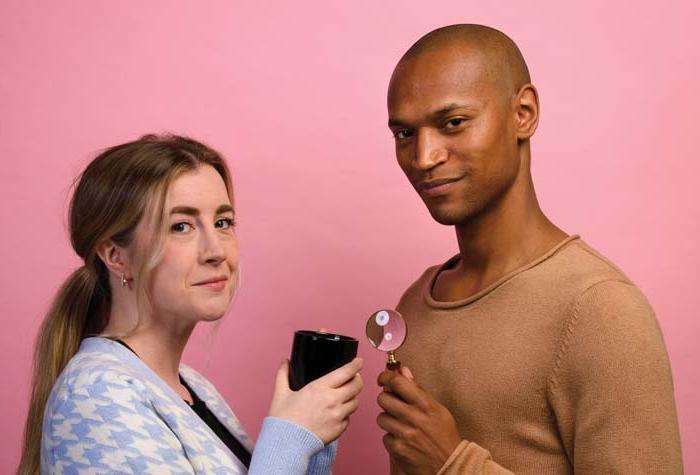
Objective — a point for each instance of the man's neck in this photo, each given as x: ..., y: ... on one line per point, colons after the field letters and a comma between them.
x: 507, y: 236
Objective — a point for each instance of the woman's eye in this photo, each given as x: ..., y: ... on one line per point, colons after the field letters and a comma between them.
x: 403, y: 133
x: 181, y: 227
x: 225, y: 223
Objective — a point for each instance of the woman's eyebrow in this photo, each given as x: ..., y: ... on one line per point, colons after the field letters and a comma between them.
x: 189, y: 210
x: 185, y: 210
x: 224, y: 209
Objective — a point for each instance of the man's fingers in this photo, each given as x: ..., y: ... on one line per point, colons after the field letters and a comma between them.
x: 395, y: 406
x: 406, y: 372
x: 385, y: 376
x: 391, y: 444
x: 342, y: 375
x: 403, y: 387
x: 391, y: 425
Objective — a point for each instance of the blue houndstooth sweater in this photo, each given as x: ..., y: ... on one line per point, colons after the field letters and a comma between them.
x: 109, y: 413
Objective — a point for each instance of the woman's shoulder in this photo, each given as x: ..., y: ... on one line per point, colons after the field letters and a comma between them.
x: 204, y: 388
x: 195, y: 379
x: 97, y: 373
x: 105, y: 406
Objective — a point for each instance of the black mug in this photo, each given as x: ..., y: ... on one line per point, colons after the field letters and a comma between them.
x: 315, y: 354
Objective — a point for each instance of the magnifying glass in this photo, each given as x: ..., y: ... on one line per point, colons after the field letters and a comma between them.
x: 386, y: 331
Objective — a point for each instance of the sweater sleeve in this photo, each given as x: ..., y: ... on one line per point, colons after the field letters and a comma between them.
x: 285, y: 448
x: 468, y: 458
x: 107, y: 427
x: 611, y: 388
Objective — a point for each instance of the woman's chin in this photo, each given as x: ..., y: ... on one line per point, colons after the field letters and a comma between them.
x: 211, y: 316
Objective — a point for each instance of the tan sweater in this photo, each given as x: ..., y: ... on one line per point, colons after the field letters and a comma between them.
x: 559, y: 367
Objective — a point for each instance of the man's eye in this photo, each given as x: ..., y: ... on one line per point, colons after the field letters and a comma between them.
x: 456, y: 122
x: 181, y: 227
x: 403, y: 133
x: 225, y: 223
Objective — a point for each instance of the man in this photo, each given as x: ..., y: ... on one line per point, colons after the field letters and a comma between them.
x: 528, y: 351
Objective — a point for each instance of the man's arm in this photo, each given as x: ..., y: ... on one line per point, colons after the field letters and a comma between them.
x: 611, y: 388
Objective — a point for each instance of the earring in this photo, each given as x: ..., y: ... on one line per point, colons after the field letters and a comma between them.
x: 125, y: 281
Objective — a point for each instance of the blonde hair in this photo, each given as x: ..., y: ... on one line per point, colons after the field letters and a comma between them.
x: 111, y: 197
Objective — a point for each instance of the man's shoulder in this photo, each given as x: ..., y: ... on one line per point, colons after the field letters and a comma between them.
x: 580, y: 264
x: 419, y: 284
x: 587, y: 279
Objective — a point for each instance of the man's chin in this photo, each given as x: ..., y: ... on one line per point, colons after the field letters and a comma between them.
x: 447, y: 217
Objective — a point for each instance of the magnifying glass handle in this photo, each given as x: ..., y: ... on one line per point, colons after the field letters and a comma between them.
x: 392, y: 363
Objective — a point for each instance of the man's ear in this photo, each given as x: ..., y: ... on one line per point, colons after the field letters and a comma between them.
x: 114, y: 257
x: 527, y: 111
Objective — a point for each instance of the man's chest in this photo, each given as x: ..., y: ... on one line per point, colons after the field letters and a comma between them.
x: 488, y: 370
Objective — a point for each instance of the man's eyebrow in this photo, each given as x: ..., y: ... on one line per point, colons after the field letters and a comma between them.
x: 442, y: 110
x: 395, y: 123
x: 195, y: 212
x: 450, y: 107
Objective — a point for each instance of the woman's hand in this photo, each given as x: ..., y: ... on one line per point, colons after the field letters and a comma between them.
x: 323, y: 406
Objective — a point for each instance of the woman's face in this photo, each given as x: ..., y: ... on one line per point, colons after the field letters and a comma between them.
x: 197, y: 271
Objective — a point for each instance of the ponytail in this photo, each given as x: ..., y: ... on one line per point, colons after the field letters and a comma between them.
x: 75, y: 313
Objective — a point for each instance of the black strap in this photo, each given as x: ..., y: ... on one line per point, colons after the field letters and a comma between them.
x: 200, y: 408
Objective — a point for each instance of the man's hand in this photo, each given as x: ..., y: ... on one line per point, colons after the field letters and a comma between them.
x: 421, y: 433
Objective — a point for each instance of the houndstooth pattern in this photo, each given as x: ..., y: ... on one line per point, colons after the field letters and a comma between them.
x: 105, y: 417
x: 216, y: 404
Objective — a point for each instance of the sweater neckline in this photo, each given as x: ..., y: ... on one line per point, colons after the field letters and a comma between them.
x: 428, y: 289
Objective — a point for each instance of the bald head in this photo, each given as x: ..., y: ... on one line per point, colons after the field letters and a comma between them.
x: 499, y: 58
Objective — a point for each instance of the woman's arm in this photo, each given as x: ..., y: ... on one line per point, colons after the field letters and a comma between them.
x: 299, y: 435
x: 286, y: 448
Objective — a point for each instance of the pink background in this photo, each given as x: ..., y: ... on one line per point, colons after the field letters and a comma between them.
x: 294, y: 94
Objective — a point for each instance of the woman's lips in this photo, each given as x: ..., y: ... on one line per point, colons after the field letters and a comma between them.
x: 213, y: 284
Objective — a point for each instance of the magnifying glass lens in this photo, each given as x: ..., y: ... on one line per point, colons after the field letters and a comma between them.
x: 386, y: 330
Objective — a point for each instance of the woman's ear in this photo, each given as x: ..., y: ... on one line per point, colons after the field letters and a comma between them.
x: 115, y: 258
x: 527, y: 111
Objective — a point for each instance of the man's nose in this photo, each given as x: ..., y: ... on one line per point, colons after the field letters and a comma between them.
x: 430, y: 150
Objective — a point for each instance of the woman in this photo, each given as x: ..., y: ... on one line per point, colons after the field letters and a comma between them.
x: 153, y: 221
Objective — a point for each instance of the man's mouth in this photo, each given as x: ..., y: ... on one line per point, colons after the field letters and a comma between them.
x: 437, y: 186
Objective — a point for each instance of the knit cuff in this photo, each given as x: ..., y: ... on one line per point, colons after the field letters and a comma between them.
x: 469, y: 457
x: 452, y: 459
x: 283, y: 448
